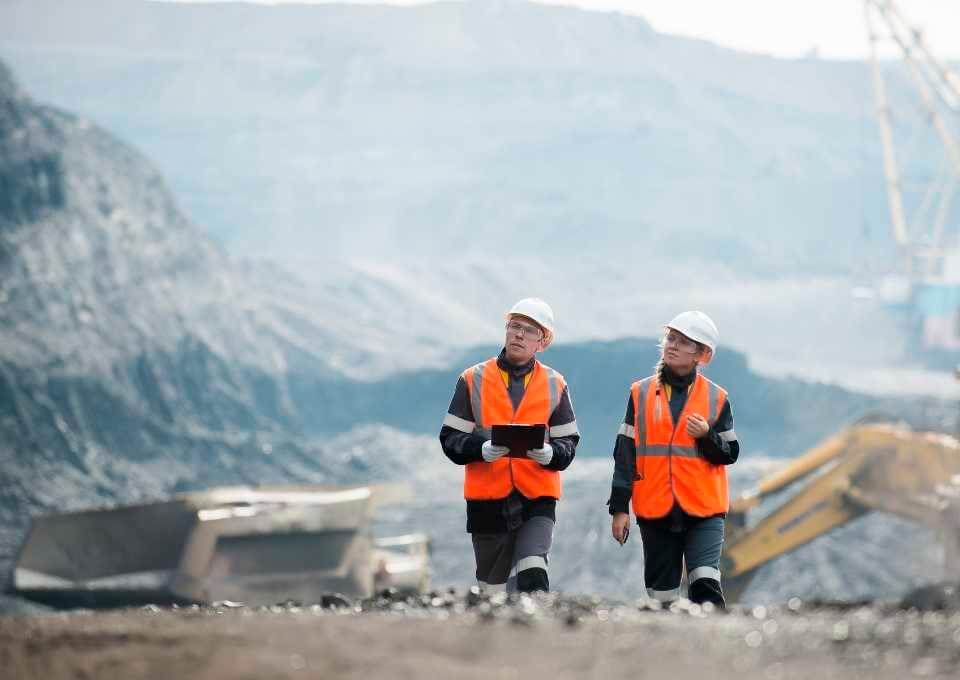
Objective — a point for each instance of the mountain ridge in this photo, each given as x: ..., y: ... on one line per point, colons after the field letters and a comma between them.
x: 357, y: 131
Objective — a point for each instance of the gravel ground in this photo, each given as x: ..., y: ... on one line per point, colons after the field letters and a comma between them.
x: 468, y: 635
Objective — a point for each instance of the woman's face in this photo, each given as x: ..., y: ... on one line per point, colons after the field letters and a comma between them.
x: 680, y: 353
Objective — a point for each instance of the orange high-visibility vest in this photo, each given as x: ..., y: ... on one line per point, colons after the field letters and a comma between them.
x: 669, y: 466
x: 492, y: 406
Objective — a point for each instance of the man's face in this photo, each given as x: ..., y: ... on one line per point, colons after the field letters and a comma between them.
x: 524, y: 338
x: 680, y: 353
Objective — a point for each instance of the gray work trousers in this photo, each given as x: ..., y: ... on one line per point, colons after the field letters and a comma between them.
x: 515, y: 560
x: 665, y: 548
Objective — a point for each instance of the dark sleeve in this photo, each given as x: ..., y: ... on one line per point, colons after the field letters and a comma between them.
x: 624, y: 464
x: 564, y: 433
x: 457, y: 437
x: 720, y: 445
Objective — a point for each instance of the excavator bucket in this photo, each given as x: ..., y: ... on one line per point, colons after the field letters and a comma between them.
x: 256, y: 546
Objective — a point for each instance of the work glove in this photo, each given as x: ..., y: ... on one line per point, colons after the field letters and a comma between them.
x: 542, y: 456
x: 492, y: 452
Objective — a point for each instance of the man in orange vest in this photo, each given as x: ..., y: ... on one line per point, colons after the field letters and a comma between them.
x: 670, y: 460
x: 511, y: 502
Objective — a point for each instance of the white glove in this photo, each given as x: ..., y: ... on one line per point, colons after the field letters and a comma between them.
x: 542, y: 456
x: 492, y: 452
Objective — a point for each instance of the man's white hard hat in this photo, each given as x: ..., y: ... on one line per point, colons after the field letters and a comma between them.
x: 697, y: 326
x: 539, y: 311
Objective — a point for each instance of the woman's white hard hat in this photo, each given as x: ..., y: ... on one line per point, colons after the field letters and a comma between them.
x: 538, y: 311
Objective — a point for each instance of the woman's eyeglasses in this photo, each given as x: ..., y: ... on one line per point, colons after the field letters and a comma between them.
x: 680, y: 342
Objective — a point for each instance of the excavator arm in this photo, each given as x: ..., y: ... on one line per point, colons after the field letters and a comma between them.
x: 866, y: 468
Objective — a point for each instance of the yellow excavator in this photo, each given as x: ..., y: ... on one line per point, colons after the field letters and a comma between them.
x: 876, y: 467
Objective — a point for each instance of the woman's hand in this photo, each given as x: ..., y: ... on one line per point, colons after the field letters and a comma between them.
x: 621, y: 527
x: 697, y: 426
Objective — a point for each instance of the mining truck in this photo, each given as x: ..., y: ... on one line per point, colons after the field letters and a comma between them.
x: 256, y: 546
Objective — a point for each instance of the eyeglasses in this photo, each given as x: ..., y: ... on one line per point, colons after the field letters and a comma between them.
x: 681, y: 342
x: 523, y: 330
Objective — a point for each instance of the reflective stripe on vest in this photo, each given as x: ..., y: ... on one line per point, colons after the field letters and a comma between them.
x: 668, y: 463
x: 491, y: 405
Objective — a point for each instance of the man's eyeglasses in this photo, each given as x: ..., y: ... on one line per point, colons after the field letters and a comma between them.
x: 523, y: 330
x: 680, y: 342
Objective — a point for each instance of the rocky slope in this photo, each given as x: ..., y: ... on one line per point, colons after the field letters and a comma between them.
x: 130, y: 361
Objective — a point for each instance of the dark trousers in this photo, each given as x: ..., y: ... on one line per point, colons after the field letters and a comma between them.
x: 665, y: 548
x: 515, y: 560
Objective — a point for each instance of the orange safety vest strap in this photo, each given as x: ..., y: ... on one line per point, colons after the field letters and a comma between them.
x: 473, y: 377
x: 639, y: 390
x: 556, y: 388
x: 716, y: 398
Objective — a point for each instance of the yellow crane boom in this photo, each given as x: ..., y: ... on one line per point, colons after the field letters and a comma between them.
x: 864, y: 468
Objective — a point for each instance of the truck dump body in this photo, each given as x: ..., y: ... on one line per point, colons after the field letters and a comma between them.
x: 257, y: 546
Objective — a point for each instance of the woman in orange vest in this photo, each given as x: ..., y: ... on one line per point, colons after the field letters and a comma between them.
x: 511, y: 502
x: 670, y: 463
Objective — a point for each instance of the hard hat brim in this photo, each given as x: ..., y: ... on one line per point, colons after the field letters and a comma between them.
x: 709, y: 351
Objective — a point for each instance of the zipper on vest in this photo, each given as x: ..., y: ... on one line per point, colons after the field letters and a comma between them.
x: 513, y: 418
x: 673, y: 434
x: 509, y: 458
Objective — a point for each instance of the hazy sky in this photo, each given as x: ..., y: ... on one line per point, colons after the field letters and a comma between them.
x: 786, y: 28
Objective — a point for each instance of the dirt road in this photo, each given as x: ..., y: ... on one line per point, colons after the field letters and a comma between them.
x: 453, y: 636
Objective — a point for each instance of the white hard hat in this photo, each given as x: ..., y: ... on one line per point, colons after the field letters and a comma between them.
x: 697, y: 326
x: 539, y: 311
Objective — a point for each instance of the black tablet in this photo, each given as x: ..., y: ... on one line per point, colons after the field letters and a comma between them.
x: 520, y: 438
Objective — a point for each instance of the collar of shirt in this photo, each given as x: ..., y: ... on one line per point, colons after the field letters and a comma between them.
x: 516, y: 371
x: 508, y: 370
x: 669, y: 380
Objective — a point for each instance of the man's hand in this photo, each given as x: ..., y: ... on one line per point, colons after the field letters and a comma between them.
x: 492, y: 452
x: 621, y: 527
x: 697, y: 426
x: 542, y: 456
